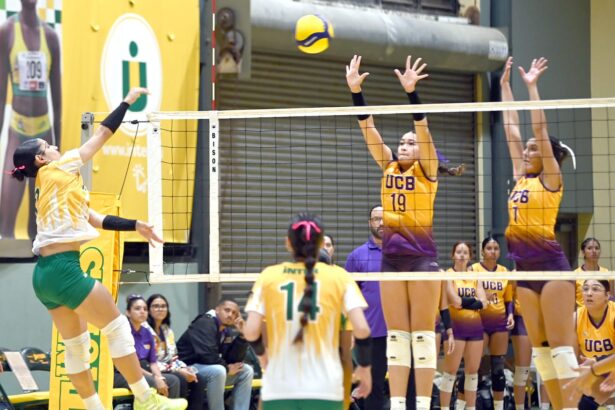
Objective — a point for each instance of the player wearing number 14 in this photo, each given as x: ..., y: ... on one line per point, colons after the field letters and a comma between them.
x: 301, y: 303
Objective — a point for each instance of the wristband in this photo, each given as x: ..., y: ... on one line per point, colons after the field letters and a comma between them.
x: 471, y: 303
x: 116, y: 223
x: 510, y: 308
x: 364, y: 351
x: 414, y: 99
x: 445, y: 315
x: 115, y: 118
x: 359, y: 101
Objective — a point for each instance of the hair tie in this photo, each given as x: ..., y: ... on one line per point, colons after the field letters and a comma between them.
x: 571, y: 152
x: 14, y: 170
x: 308, y: 225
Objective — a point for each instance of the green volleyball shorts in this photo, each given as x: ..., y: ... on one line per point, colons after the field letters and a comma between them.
x: 59, y: 281
x: 302, y: 405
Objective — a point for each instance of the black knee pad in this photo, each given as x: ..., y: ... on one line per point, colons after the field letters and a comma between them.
x: 498, y: 379
x: 588, y: 403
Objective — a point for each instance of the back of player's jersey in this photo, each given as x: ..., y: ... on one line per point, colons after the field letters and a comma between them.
x: 310, y: 369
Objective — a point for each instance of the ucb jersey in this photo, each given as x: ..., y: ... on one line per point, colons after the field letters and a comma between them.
x: 310, y: 369
x: 579, y: 290
x: 532, y: 211
x: 498, y: 292
x: 466, y: 318
x: 62, y: 203
x: 596, y: 340
x: 407, y: 200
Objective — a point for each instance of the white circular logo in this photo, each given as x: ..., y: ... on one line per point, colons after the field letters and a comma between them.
x: 131, y: 58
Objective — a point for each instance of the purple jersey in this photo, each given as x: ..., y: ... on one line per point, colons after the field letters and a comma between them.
x: 367, y: 258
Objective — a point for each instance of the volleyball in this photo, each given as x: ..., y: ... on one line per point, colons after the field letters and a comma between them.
x: 312, y: 34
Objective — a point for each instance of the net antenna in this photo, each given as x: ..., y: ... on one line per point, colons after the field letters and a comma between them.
x: 302, y: 130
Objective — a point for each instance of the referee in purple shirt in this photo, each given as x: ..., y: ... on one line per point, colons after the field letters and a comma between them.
x: 367, y: 258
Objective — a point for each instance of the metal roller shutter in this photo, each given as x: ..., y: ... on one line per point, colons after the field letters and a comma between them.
x: 332, y: 172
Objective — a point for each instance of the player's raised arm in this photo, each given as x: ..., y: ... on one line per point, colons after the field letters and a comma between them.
x: 109, y: 125
x: 376, y: 146
x: 511, y: 123
x: 428, y: 158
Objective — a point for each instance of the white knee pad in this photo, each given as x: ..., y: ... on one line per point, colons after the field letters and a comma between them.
x: 471, y: 382
x: 447, y: 383
x: 544, y: 363
x: 77, y: 353
x: 398, y: 348
x: 424, y: 349
x: 564, y: 361
x: 119, y: 337
x: 521, y: 375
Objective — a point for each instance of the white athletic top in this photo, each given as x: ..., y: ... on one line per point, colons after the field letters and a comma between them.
x: 311, y: 369
x: 62, y: 203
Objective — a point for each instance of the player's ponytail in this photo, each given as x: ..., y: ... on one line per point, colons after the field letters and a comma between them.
x: 562, y: 151
x: 306, y: 236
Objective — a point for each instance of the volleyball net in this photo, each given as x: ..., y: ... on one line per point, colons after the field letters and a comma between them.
x: 264, y: 166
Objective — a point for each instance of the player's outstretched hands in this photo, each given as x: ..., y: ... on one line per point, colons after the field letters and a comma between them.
x: 146, y: 230
x: 134, y: 94
x: 412, y: 74
x: 505, y: 78
x: 538, y: 67
x: 353, y: 78
x: 582, y: 383
x: 364, y: 376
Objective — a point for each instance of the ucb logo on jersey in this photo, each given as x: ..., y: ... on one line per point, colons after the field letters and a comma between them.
x: 493, y: 285
x: 131, y: 58
x: 465, y: 292
x: 598, y: 346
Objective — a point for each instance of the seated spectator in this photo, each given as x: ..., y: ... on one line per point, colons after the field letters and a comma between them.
x: 159, y: 324
x: 215, y: 346
x: 167, y: 385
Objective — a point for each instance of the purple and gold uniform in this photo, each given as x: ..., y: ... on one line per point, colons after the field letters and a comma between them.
x: 532, y: 212
x: 596, y: 340
x: 499, y: 293
x: 466, y: 322
x: 408, y: 201
x: 579, y: 284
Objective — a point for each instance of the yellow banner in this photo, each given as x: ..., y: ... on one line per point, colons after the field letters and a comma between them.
x: 106, y: 47
x: 101, y: 260
x: 110, y: 46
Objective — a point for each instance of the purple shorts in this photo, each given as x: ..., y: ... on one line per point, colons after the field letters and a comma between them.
x: 495, y: 329
x: 409, y: 263
x: 519, y: 329
x: 548, y: 264
x: 468, y: 333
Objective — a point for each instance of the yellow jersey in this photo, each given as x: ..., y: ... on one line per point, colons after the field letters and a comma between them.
x: 407, y: 199
x: 579, y: 284
x: 29, y: 68
x: 498, y: 292
x: 311, y: 369
x: 466, y: 319
x: 62, y: 203
x: 596, y: 340
x: 532, y: 211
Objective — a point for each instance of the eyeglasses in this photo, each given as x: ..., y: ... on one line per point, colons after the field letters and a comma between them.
x: 159, y: 307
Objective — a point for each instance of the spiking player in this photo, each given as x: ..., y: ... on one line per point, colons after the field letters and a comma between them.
x: 301, y: 303
x: 533, y: 205
x: 409, y: 185
x: 497, y: 316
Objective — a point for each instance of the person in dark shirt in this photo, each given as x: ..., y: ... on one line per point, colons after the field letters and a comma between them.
x: 215, y: 346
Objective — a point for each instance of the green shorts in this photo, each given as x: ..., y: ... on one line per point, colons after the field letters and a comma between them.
x: 59, y: 281
x: 302, y: 405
